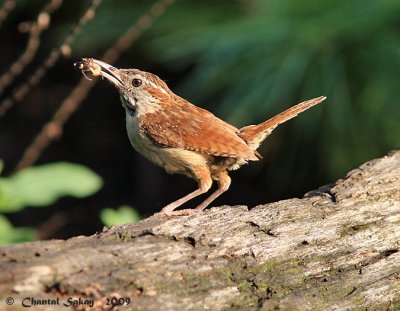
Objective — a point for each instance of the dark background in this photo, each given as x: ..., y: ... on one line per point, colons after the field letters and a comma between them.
x: 243, y: 60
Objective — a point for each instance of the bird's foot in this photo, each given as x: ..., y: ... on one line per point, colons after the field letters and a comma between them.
x: 183, y: 212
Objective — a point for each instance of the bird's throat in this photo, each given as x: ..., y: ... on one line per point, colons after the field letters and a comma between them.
x: 129, y: 104
x: 130, y: 110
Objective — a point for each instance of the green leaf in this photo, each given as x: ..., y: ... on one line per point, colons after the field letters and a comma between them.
x: 43, y: 185
x: 124, y: 214
x: 10, y: 234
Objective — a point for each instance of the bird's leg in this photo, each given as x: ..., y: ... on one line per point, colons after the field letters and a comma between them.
x: 224, y: 181
x: 205, y: 182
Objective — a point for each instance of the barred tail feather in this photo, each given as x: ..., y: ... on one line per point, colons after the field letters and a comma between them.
x: 254, y: 135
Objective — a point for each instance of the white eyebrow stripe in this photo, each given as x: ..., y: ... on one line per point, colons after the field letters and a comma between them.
x: 156, y: 86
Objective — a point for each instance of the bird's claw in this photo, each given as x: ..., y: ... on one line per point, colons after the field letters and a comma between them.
x: 183, y: 212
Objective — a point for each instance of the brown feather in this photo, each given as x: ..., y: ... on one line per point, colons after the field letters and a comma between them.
x: 255, y: 134
x: 179, y: 124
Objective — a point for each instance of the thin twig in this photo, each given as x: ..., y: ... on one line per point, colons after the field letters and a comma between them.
x: 53, y: 129
x: 35, y: 30
x: 5, y: 10
x: 50, y: 61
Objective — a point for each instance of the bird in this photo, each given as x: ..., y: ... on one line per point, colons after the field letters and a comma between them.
x: 183, y: 138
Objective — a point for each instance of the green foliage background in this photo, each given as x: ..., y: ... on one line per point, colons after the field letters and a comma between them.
x: 40, y: 186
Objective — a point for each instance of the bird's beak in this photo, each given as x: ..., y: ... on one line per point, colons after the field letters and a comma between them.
x: 100, y: 68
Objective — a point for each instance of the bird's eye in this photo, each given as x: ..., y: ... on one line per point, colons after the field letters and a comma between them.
x: 136, y: 82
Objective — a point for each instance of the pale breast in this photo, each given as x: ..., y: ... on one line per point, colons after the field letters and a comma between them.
x: 140, y: 141
x: 173, y: 160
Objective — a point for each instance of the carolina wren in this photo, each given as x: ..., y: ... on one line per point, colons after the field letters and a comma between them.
x: 181, y: 137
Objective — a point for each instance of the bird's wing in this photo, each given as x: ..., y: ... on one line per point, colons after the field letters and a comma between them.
x: 182, y: 125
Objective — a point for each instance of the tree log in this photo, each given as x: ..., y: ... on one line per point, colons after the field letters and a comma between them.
x: 335, y: 249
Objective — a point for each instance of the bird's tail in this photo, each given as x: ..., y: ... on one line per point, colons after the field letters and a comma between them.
x: 255, y: 134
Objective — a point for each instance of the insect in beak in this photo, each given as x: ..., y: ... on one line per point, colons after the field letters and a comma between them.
x: 99, y: 68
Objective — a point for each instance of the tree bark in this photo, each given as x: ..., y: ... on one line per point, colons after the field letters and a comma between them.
x: 335, y: 249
